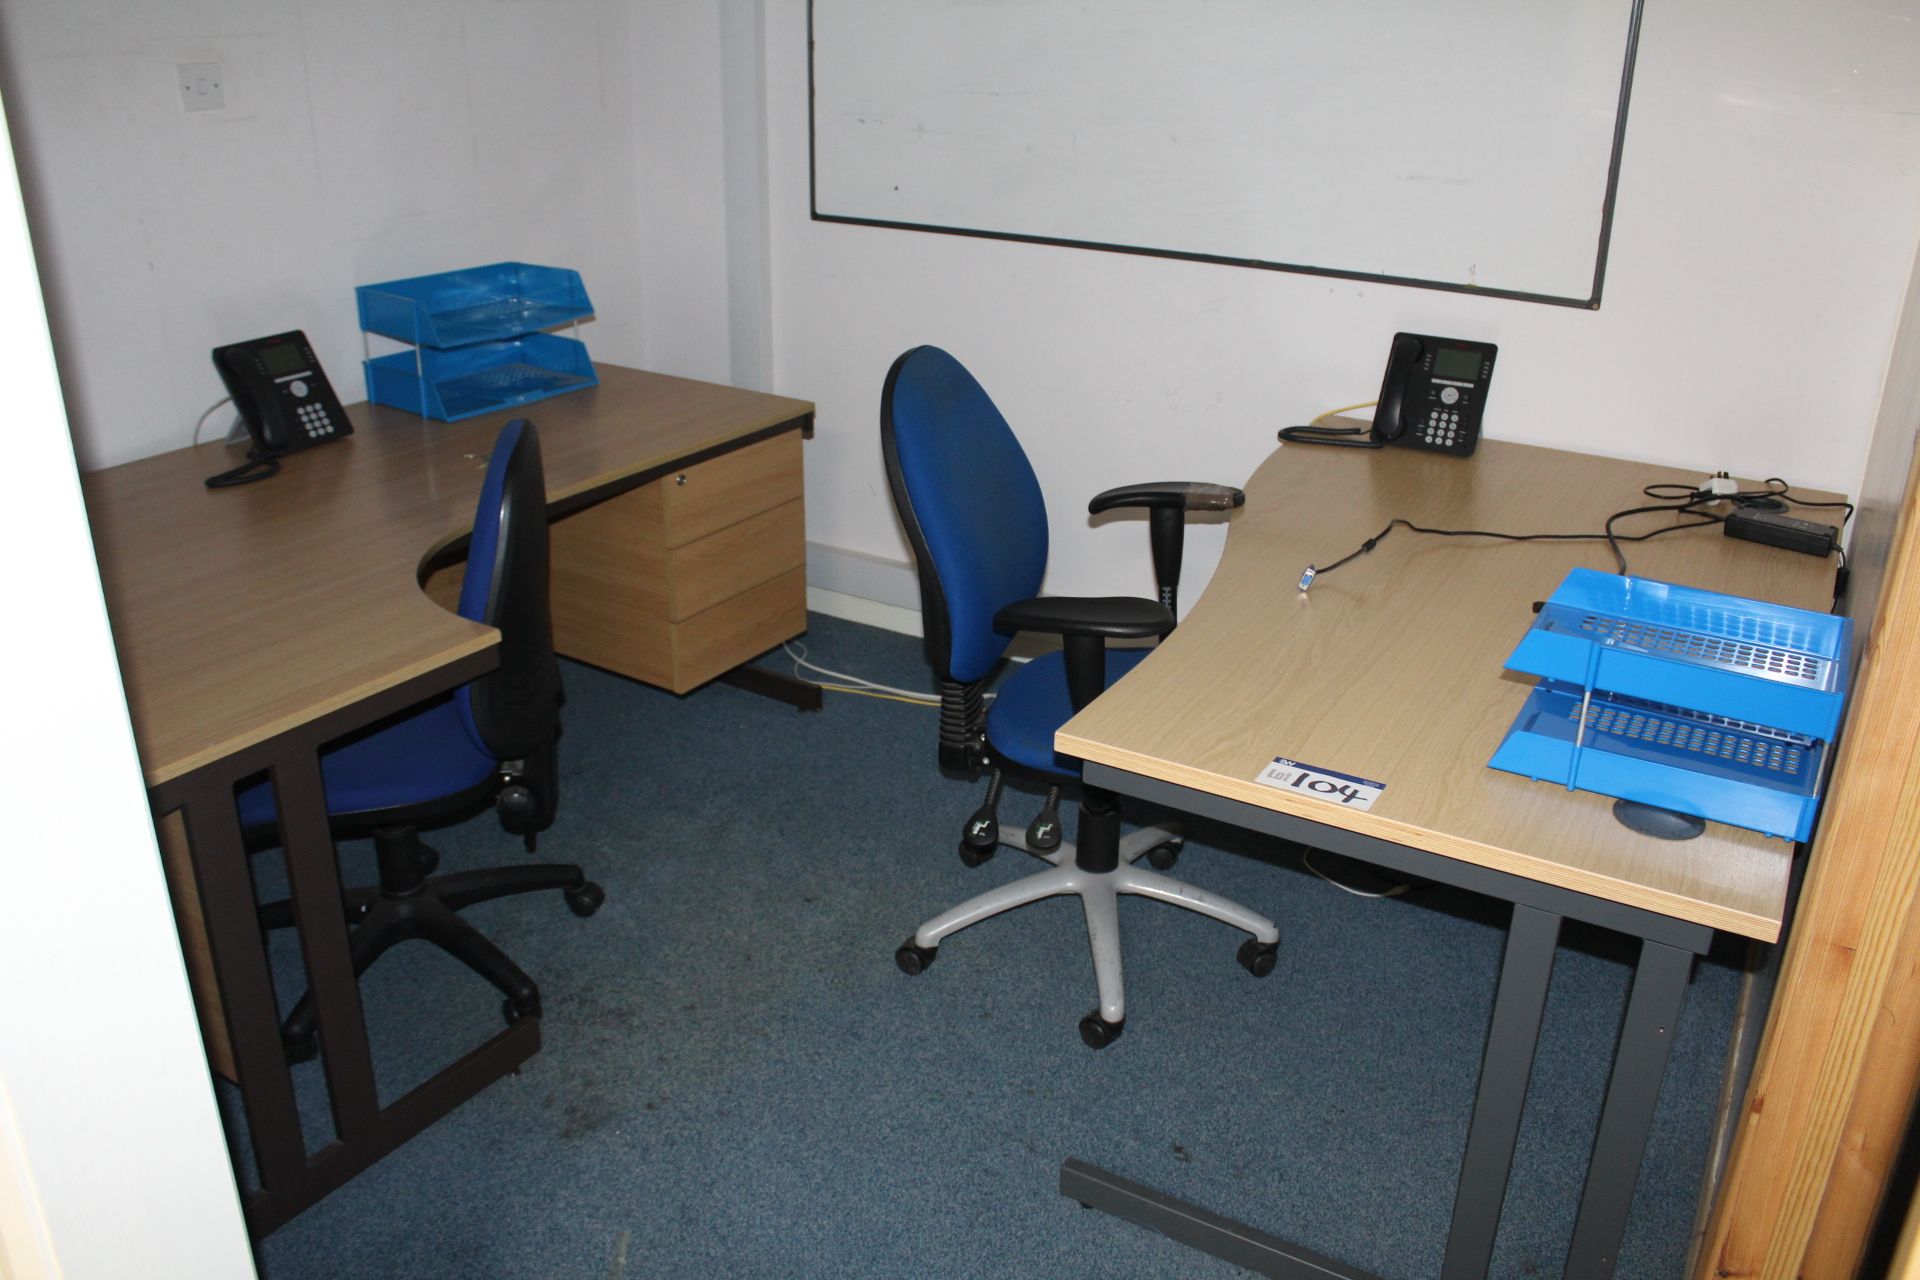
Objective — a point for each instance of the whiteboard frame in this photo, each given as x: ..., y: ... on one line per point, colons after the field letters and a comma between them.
x: 1590, y: 302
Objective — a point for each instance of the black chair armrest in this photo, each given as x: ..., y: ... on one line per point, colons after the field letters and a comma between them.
x: 1109, y: 617
x: 1087, y: 623
x: 1179, y: 495
x: 1167, y: 503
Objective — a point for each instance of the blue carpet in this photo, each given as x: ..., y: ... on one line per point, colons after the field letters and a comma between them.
x: 737, y: 1081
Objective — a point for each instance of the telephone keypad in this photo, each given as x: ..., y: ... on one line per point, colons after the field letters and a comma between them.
x: 1442, y: 429
x: 315, y: 421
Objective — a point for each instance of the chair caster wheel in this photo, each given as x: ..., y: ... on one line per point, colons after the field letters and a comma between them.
x: 585, y: 899
x: 1162, y: 856
x: 514, y: 1011
x: 517, y: 807
x: 973, y: 855
x: 302, y: 1048
x: 913, y: 958
x: 1258, y: 958
x: 1098, y: 1032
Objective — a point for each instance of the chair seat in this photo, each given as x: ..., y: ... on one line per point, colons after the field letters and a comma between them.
x: 424, y: 757
x: 1033, y: 702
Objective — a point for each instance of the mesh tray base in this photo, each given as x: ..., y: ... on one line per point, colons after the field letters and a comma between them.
x: 1709, y: 766
x: 502, y: 385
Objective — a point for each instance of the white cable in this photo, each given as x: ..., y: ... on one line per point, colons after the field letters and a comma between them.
x: 208, y: 414
x: 1306, y: 857
x: 800, y: 660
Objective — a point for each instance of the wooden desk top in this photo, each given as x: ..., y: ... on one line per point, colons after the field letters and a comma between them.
x: 1391, y: 667
x: 241, y: 613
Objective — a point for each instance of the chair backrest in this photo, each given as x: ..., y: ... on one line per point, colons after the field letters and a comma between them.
x: 970, y: 504
x: 514, y: 709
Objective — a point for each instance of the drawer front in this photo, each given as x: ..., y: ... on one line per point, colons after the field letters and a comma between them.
x: 721, y: 565
x: 721, y: 491
x: 738, y: 630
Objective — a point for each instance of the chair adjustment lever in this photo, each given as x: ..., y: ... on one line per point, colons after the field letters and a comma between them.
x: 982, y: 834
x: 1043, y: 833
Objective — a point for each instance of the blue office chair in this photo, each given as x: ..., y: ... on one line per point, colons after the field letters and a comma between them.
x: 488, y: 745
x: 978, y: 526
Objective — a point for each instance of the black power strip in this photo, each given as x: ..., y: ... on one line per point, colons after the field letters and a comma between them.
x: 1778, y: 530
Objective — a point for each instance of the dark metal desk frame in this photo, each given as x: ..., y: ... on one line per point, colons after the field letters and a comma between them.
x: 1667, y: 948
x: 291, y: 1179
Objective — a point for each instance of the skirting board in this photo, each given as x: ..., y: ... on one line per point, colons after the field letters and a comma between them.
x: 883, y: 593
x: 863, y: 588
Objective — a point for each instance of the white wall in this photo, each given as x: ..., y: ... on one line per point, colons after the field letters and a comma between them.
x: 112, y: 1160
x: 361, y: 141
x: 682, y: 242
x: 1767, y: 205
x: 701, y: 157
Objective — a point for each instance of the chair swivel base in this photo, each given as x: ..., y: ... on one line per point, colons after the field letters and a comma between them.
x: 410, y: 903
x: 1099, y: 893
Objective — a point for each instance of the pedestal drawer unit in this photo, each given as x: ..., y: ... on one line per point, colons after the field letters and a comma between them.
x: 690, y: 575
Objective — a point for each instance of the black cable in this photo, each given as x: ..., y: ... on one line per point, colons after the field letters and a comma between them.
x: 1786, y: 492
x: 1689, y: 509
x: 1316, y: 434
x: 1612, y: 539
x: 1680, y: 498
x: 258, y: 466
x: 1777, y: 489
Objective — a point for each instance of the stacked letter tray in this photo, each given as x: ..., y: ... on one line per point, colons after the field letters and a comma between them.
x: 481, y: 304
x: 478, y: 339
x: 463, y: 382
x: 1702, y: 703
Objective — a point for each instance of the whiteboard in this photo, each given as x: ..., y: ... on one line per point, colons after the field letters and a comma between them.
x: 1472, y: 145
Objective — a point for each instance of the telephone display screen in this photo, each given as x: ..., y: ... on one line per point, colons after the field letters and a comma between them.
x: 283, y: 359
x: 1452, y: 362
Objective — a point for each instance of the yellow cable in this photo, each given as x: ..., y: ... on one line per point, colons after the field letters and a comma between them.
x: 868, y: 693
x: 1364, y: 404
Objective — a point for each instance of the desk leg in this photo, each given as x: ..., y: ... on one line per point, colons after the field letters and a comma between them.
x: 1505, y: 1068
x: 1639, y: 1064
x: 313, y: 875
x: 798, y: 694
x: 1198, y: 1228
x: 239, y: 960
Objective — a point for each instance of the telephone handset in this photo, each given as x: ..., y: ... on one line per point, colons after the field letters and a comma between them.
x: 1433, y: 394
x: 283, y: 396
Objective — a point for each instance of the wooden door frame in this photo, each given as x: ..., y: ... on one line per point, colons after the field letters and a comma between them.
x: 1834, y: 1080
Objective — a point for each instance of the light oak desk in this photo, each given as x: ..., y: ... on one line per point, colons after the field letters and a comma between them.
x: 1391, y: 669
x: 256, y: 624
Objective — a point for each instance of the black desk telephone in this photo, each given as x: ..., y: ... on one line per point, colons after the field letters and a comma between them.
x: 1431, y: 398
x: 1433, y: 393
x: 283, y: 396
